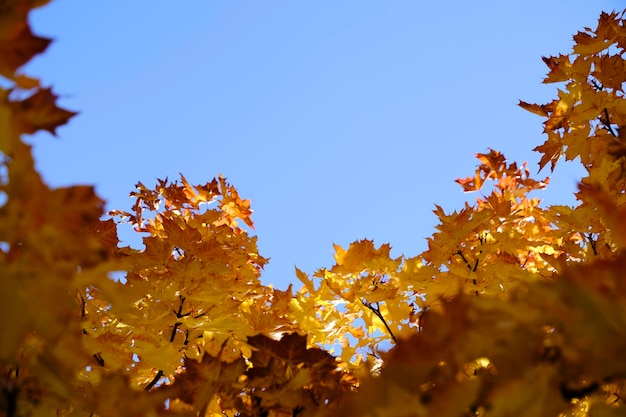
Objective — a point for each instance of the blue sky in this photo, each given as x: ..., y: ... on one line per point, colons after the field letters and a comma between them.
x: 340, y: 120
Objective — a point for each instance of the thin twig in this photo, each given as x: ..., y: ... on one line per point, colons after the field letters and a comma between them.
x: 179, y: 313
x: 173, y: 335
x: 464, y: 259
x: 607, y: 123
x: 83, y: 305
x: 154, y: 380
x: 376, y: 311
x: 592, y: 242
x: 597, y: 85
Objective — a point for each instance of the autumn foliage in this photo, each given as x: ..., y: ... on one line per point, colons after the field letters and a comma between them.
x: 515, y: 308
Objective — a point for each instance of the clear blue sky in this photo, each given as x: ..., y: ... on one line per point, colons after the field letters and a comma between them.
x: 340, y: 120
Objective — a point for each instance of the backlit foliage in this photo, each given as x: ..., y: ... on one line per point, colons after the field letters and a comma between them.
x: 515, y: 309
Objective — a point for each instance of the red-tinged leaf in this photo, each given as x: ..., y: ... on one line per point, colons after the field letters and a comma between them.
x: 559, y: 68
x: 593, y: 42
x: 209, y: 191
x: 205, y: 377
x: 551, y: 151
x: 610, y: 71
x: 26, y: 82
x: 540, y: 109
x: 106, y: 232
x: 40, y: 112
x: 470, y: 184
x: 18, y: 45
x: 493, y: 160
x: 291, y: 348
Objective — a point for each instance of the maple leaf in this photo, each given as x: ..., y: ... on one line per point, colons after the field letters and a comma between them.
x: 551, y: 151
x: 513, y: 308
x: 291, y: 348
x: 106, y: 232
x: 558, y: 71
x: 233, y: 207
x: 592, y: 42
x: 204, y: 378
x: 18, y: 45
x: 363, y: 256
x: 285, y: 374
x: 40, y: 112
x: 609, y: 71
x: 541, y: 110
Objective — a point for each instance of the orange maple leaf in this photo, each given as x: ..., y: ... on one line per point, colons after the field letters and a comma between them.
x: 17, y: 42
x: 558, y: 66
x: 40, y: 112
x: 540, y: 109
x: 591, y: 42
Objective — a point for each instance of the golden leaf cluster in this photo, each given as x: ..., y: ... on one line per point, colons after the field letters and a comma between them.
x: 515, y: 308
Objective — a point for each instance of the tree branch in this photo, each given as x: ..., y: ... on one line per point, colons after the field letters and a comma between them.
x: 469, y: 266
x: 154, y: 380
x: 592, y: 242
x: 376, y: 311
x: 173, y: 335
x: 607, y: 123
